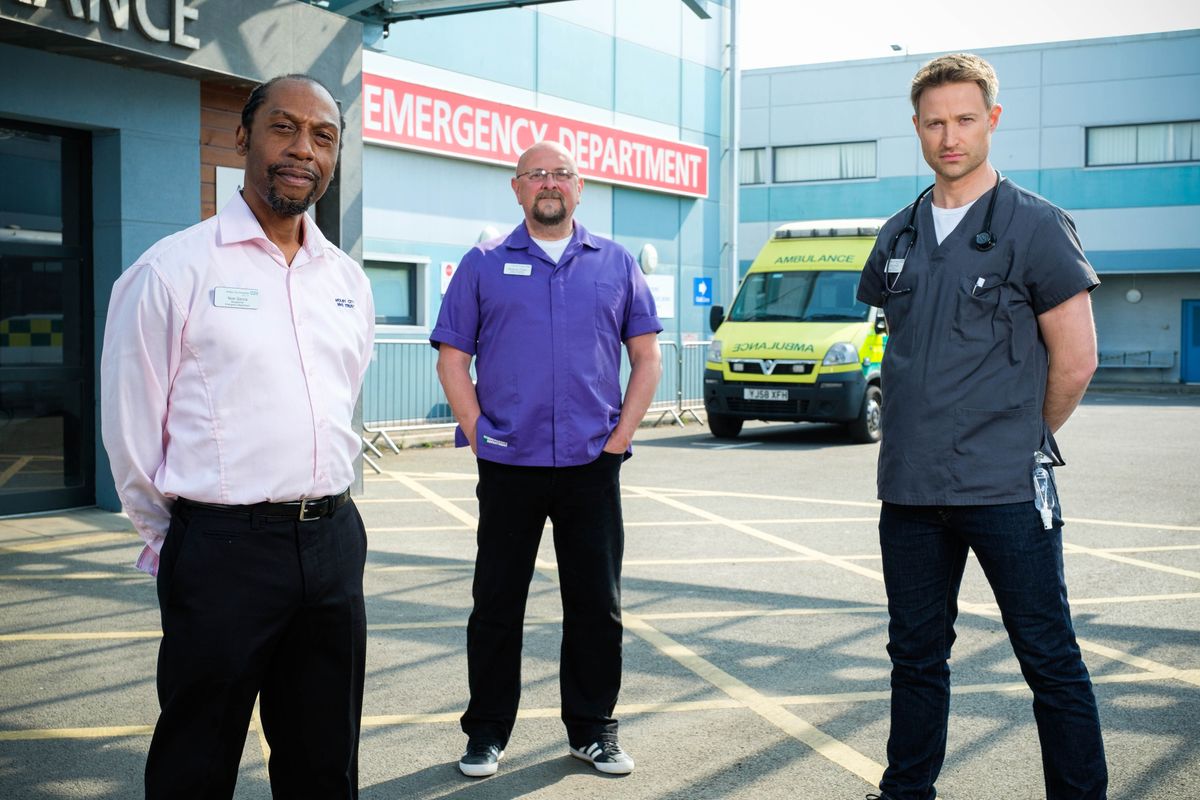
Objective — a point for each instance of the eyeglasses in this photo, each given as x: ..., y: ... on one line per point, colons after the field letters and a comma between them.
x: 540, y: 175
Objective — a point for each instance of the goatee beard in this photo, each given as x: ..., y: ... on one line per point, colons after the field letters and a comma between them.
x: 549, y: 218
x: 286, y: 206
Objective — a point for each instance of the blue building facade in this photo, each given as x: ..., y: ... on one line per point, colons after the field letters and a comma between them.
x: 1108, y: 129
x: 644, y: 69
x: 102, y: 154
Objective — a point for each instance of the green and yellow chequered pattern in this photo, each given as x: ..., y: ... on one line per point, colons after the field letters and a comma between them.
x: 31, y: 332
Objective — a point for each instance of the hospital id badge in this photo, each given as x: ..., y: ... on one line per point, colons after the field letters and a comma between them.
x: 895, y: 266
x: 231, y: 297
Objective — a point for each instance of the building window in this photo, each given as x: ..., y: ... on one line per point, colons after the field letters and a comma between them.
x: 1157, y: 143
x: 394, y: 284
x: 825, y: 162
x: 752, y: 165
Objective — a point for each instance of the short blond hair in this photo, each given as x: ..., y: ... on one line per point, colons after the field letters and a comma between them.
x: 956, y: 68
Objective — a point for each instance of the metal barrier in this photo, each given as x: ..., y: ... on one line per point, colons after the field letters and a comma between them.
x: 402, y: 393
x: 1139, y: 359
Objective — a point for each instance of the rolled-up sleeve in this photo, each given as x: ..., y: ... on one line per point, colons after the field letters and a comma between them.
x: 641, y: 314
x: 142, y: 345
x: 458, y: 320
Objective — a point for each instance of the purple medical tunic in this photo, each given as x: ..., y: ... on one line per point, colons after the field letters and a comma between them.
x: 547, y: 343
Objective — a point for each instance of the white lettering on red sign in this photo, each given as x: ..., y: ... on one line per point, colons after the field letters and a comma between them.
x: 402, y: 114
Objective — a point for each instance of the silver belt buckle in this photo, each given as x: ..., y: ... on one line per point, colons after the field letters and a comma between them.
x: 304, y: 509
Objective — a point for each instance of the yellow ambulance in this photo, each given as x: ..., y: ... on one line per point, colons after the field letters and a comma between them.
x: 797, y: 346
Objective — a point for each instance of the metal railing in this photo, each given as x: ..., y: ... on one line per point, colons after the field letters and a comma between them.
x: 1143, y: 359
x: 402, y: 393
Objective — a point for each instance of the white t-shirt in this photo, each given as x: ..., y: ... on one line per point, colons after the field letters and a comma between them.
x: 553, y: 249
x: 945, y: 220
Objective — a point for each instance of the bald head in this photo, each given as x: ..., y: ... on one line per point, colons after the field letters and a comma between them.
x: 552, y: 149
x: 548, y: 188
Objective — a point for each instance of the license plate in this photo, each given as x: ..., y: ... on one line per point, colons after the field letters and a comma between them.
x: 765, y: 394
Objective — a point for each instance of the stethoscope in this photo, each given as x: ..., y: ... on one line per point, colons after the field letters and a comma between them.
x: 983, y: 241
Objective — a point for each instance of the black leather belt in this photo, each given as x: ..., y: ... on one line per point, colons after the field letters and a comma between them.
x: 304, y: 510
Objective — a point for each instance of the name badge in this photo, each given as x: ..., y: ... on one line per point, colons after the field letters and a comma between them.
x: 895, y: 265
x: 230, y: 297
x: 518, y: 269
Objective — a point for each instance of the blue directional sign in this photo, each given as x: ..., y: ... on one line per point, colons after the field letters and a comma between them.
x: 702, y: 290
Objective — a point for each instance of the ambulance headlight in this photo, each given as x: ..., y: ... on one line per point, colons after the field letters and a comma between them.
x: 841, y: 353
x: 714, y: 351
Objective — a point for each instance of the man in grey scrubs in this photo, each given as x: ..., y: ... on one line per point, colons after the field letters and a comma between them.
x: 986, y: 291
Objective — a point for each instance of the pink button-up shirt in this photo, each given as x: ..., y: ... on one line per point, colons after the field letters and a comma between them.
x: 229, y: 376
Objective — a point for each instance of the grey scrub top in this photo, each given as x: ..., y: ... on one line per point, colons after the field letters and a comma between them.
x: 964, y: 372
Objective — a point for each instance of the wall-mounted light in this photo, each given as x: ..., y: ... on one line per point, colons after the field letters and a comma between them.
x: 648, y: 258
x: 1133, y: 296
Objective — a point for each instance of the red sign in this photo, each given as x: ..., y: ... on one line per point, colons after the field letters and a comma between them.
x: 407, y: 115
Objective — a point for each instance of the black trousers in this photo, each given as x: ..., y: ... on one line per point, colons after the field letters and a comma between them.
x: 266, y: 606
x: 584, y: 505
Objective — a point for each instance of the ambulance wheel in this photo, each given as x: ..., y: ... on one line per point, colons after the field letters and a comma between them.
x: 869, y: 426
x: 723, y: 426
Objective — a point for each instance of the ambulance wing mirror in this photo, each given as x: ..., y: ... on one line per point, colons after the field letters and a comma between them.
x: 716, y: 315
x: 880, y: 322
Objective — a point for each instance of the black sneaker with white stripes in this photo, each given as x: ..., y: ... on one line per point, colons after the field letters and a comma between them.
x: 481, y: 759
x: 605, y: 755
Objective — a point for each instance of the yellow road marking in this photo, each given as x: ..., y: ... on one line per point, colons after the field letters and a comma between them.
x: 665, y: 707
x: 420, y: 529
x: 1133, y: 598
x: 61, y: 542
x: 75, y: 733
x: 673, y: 562
x: 17, y: 466
x: 973, y: 608
x: 824, y: 744
x: 1119, y: 524
x: 749, y: 530
x: 76, y: 576
x: 773, y: 612
x: 1137, y: 562
x: 80, y: 636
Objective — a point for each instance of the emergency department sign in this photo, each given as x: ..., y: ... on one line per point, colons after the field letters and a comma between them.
x: 702, y: 291
x: 401, y: 114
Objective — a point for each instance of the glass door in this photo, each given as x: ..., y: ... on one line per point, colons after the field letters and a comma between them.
x: 47, y: 353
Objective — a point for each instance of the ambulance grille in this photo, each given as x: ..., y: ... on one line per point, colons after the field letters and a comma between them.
x: 767, y: 407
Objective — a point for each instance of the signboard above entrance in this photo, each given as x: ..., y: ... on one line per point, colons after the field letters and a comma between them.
x: 408, y: 115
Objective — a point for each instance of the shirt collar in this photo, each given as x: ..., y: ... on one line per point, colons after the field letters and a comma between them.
x: 520, y: 239
x: 237, y: 224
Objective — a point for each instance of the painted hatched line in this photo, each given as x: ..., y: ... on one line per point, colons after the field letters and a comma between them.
x: 63, y: 542
x: 771, y: 538
x: 664, y: 707
x: 1135, y: 562
x: 820, y: 742
x: 133, y: 575
x: 983, y: 609
x: 18, y: 465
x: 972, y: 608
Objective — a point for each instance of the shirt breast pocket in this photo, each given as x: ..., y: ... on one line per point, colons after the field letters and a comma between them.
x: 609, y: 307
x: 979, y: 309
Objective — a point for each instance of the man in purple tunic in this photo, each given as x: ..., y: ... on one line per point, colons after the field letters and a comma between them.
x: 544, y: 312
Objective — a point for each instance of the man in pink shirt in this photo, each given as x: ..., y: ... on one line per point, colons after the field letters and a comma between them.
x: 234, y: 353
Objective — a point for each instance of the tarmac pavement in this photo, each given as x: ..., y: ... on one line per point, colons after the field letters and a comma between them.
x: 755, y: 628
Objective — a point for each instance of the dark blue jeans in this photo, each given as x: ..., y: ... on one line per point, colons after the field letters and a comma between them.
x: 924, y: 553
